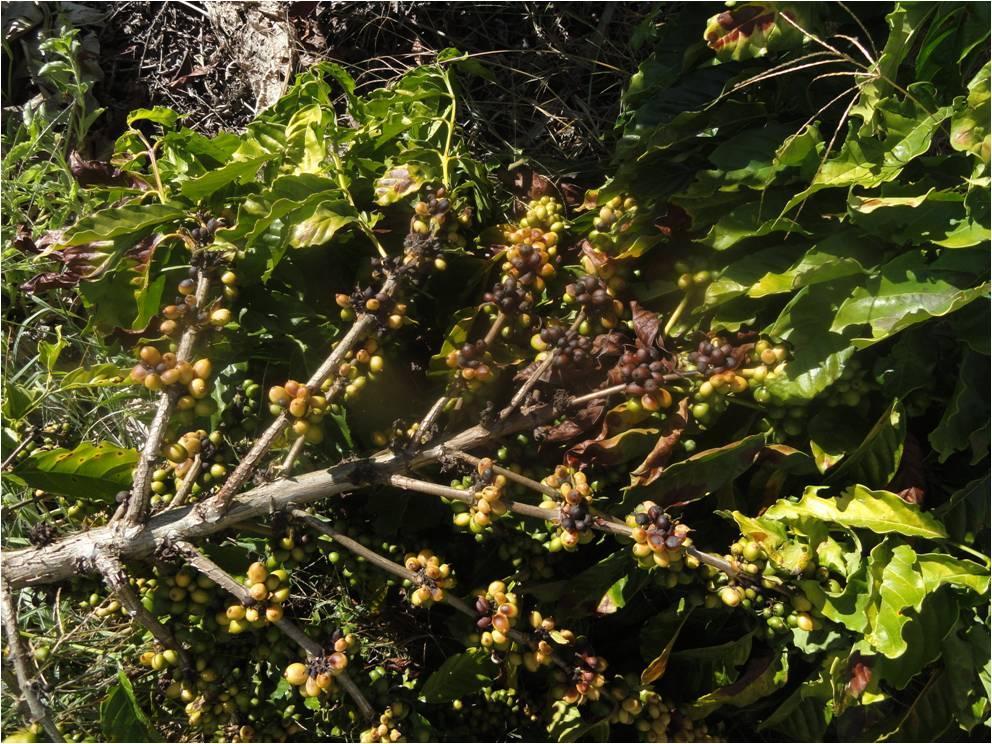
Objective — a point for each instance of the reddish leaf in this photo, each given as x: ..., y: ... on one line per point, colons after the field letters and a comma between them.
x: 911, y: 479
x: 526, y: 183
x: 671, y: 431
x: 618, y: 434
x: 23, y: 241
x: 581, y: 422
x: 96, y: 173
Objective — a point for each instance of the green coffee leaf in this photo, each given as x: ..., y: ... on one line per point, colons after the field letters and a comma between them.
x: 94, y: 471
x: 107, y: 224
x: 121, y: 717
x: 459, y: 676
x: 877, y: 459
x: 861, y: 508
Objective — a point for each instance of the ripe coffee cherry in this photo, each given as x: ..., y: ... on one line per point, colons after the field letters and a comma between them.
x: 431, y: 578
x: 644, y: 370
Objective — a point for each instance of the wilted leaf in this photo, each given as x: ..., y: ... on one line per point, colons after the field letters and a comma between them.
x: 671, y: 431
x: 750, y: 30
x: 700, y: 474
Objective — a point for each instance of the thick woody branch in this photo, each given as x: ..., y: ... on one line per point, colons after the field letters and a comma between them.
x: 363, y: 325
x: 224, y: 580
x: 25, y: 675
x: 141, y: 489
x: 115, y: 577
x: 58, y: 560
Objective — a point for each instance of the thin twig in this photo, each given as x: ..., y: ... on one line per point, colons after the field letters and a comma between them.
x: 536, y: 375
x: 362, y: 326
x: 294, y: 452
x: 186, y: 487
x: 115, y: 577
x: 226, y: 582
x: 523, y: 480
x: 22, y: 667
x: 140, y: 499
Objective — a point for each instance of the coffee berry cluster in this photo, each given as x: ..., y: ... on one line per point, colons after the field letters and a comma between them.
x: 386, y: 729
x: 546, y: 635
x: 659, y: 540
x: 575, y: 517
x: 181, y: 460
x: 570, y: 349
x: 497, y: 611
x: 267, y: 592
x: 387, y: 311
x: 184, y: 311
x: 316, y: 676
x: 614, y: 218
x: 432, y: 577
x: 360, y: 366
x: 593, y: 295
x: 585, y: 680
x: 643, y: 370
x: 304, y: 408
x: 514, y: 300
x: 488, y: 503
x: 159, y: 371
x: 472, y: 361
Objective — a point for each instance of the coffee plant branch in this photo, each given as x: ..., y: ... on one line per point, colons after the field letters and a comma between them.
x: 115, y: 577
x: 56, y: 561
x: 26, y: 684
x: 225, y: 581
x: 363, y: 324
x: 141, y: 490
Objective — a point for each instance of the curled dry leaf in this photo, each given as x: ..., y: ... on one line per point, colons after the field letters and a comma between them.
x: 98, y: 173
x: 671, y: 432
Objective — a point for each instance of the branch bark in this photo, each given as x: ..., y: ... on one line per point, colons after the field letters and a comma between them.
x: 115, y: 576
x: 19, y: 656
x: 58, y: 561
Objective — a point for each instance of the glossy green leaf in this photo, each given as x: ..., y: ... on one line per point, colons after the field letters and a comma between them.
x: 819, y: 354
x: 459, y: 676
x: 900, y: 587
x: 121, y: 717
x: 964, y: 425
x: 939, y: 569
x: 318, y: 228
x: 114, y: 222
x: 861, y: 508
x: 924, y: 634
x: 970, y: 121
x: 875, y: 462
x: 905, y: 292
x: 805, y: 714
x: 94, y: 471
x: 838, y: 256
